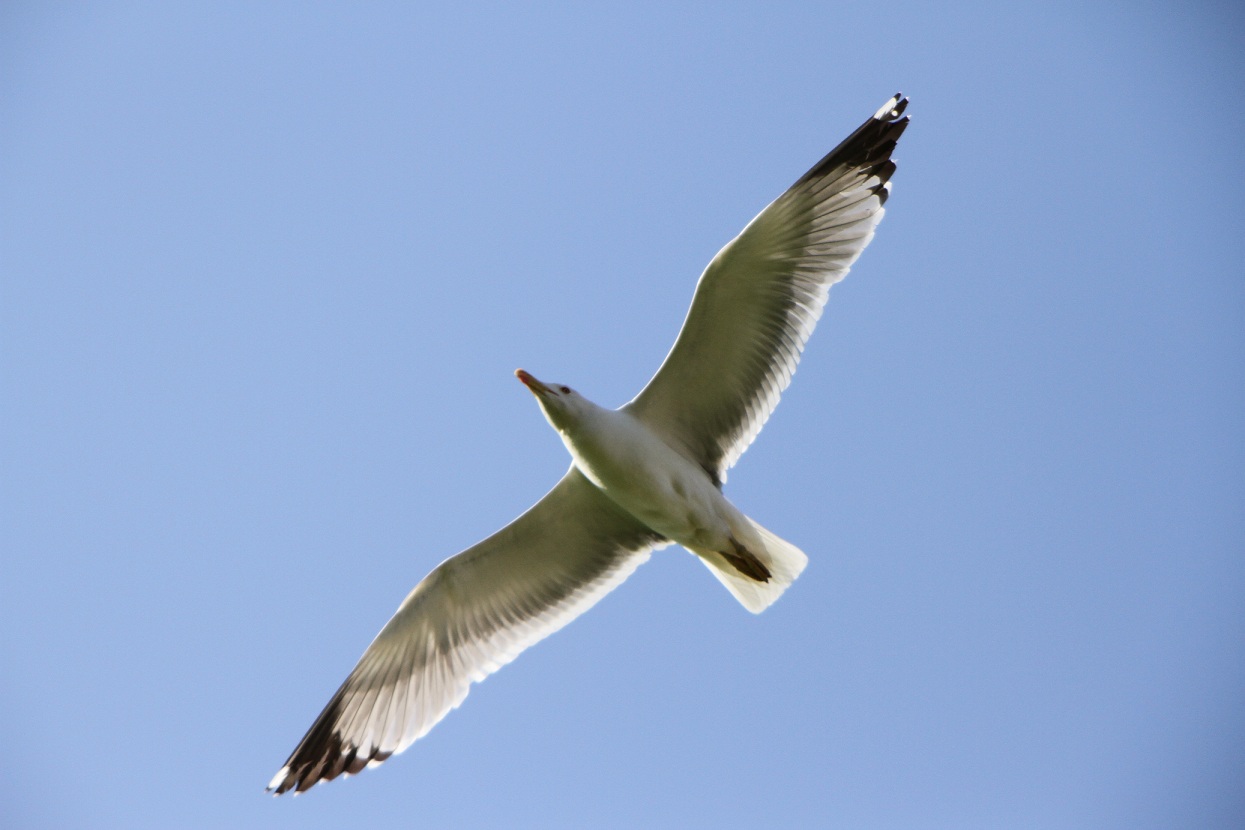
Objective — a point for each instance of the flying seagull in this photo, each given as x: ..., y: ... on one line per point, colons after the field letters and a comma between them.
x: 642, y: 477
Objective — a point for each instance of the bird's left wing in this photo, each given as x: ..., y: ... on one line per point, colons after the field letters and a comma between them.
x: 473, y: 614
x: 758, y: 301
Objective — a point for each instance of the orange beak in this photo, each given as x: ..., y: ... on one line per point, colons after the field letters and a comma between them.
x: 535, y: 386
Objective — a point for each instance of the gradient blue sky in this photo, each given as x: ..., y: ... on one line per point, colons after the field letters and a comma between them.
x: 267, y: 270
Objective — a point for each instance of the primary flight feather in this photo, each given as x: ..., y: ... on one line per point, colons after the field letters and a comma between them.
x: 643, y: 476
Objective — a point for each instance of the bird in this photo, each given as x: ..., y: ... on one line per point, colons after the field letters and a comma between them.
x: 643, y: 476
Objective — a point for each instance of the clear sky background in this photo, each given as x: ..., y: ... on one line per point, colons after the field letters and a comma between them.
x: 267, y: 269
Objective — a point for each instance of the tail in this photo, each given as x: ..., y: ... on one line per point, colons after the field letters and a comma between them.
x: 777, y: 558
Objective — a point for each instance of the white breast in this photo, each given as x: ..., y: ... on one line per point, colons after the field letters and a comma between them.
x: 647, y: 478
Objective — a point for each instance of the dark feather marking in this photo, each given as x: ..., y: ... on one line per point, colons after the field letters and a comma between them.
x: 872, y: 141
x: 746, y: 562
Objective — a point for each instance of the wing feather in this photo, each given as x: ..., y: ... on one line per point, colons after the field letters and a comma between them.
x: 473, y: 614
x: 758, y: 301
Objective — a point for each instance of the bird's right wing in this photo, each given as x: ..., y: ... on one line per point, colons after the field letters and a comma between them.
x: 473, y: 614
x: 758, y: 301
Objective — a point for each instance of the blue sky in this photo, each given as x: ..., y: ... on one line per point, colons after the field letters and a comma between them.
x: 267, y: 272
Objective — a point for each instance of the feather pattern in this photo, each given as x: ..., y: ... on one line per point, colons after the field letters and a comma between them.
x: 473, y: 614
x: 757, y: 302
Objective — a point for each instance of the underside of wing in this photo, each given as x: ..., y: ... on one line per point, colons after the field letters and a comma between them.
x: 473, y: 614
x: 758, y: 301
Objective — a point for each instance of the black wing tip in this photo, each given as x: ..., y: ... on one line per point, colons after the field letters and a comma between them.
x: 871, y: 145
x: 892, y: 109
x: 321, y: 761
x: 322, y: 754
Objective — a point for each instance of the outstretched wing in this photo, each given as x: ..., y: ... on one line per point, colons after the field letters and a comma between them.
x: 473, y: 614
x: 758, y: 301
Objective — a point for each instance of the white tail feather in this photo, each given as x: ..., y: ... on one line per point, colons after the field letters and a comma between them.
x: 784, y: 560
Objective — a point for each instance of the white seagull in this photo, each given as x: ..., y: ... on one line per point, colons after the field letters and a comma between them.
x: 642, y: 477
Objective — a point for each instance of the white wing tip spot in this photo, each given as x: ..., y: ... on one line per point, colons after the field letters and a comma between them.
x: 890, y: 109
x: 278, y: 778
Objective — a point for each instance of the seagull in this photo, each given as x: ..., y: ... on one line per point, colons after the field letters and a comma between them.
x: 642, y: 477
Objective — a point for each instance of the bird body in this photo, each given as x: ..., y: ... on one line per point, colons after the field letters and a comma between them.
x: 666, y: 491
x: 641, y: 477
x: 640, y: 473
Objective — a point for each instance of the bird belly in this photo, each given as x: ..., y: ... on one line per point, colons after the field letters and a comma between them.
x: 658, y: 486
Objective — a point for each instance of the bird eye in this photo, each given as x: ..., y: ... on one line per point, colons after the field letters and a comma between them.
x: 566, y: 390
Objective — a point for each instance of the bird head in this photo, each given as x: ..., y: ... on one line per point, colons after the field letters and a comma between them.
x: 562, y: 405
